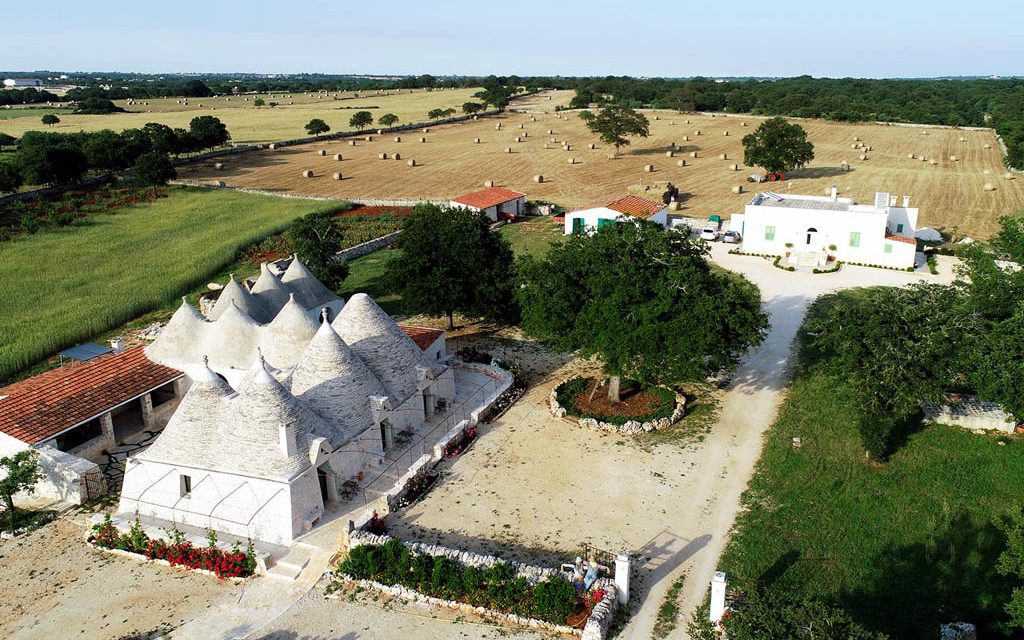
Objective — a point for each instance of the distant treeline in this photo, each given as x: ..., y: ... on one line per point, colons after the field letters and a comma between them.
x: 976, y: 103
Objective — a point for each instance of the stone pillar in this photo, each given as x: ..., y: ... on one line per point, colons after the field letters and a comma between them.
x: 718, y: 584
x: 147, y: 410
x: 622, y: 569
x: 180, y: 386
x: 107, y: 426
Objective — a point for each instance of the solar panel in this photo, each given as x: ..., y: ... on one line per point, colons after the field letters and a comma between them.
x: 771, y: 195
x: 86, y: 351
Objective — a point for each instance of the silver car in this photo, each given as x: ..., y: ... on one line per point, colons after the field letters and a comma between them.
x: 732, y: 237
x: 709, y: 233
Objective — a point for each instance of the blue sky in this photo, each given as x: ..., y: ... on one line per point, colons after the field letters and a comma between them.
x: 869, y: 38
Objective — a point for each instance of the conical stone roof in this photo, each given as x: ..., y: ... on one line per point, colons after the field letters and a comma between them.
x: 235, y: 293
x: 269, y: 290
x: 285, y: 338
x: 378, y: 340
x: 309, y: 291
x: 336, y: 384
x: 175, y: 343
x: 232, y: 339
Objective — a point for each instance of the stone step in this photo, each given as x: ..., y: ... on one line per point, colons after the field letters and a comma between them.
x: 290, y: 566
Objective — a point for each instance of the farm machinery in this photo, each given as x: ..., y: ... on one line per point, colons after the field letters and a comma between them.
x: 771, y: 176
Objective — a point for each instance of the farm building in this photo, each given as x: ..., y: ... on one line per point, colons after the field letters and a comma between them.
x: 805, y: 228
x: 496, y: 203
x: 75, y: 414
x: 261, y: 451
x: 628, y: 207
x: 17, y: 83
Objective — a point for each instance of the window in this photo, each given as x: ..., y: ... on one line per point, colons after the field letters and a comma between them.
x: 604, y: 222
x: 185, y: 485
x: 577, y: 225
x: 899, y: 228
x: 888, y: 248
x: 769, y: 233
x: 855, y: 238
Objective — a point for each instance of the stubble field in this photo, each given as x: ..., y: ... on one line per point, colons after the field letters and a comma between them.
x: 950, y: 194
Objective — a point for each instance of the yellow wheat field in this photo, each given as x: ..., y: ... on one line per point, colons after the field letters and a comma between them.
x: 949, y: 194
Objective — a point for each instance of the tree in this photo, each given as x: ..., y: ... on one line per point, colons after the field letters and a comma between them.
x: 19, y: 472
x: 1011, y: 564
x: 469, y: 108
x: 646, y: 303
x: 258, y: 102
x: 50, y: 158
x: 7, y: 140
x: 449, y: 112
x: 778, y: 146
x: 495, y: 95
x: 106, y: 150
x: 196, y: 89
x: 10, y: 178
x: 96, y: 106
x: 682, y: 98
x: 1009, y: 242
x: 154, y: 169
x: 316, y: 126
x: 316, y: 238
x: 453, y: 261
x: 161, y: 138
x: 360, y: 120
x: 208, y: 132
x: 387, y: 120
x: 435, y: 114
x: 614, y: 122
x: 50, y: 119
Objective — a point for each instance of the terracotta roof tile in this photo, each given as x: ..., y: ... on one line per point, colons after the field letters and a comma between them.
x: 422, y: 336
x: 906, y: 239
x: 44, y: 405
x: 636, y: 206
x: 488, y: 197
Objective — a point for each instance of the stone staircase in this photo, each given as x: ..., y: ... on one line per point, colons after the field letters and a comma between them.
x: 807, y: 259
x: 290, y: 565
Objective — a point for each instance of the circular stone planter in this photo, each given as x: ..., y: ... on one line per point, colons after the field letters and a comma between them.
x: 630, y: 427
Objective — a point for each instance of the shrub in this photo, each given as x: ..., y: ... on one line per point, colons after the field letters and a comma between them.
x: 554, y: 598
x: 568, y: 391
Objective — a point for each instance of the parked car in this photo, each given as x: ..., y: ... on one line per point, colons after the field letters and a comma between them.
x: 709, y: 233
x: 732, y: 237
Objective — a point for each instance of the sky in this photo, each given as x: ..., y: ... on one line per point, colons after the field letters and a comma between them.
x: 868, y: 38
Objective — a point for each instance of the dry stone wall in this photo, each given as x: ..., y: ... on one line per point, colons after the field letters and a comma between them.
x: 630, y: 427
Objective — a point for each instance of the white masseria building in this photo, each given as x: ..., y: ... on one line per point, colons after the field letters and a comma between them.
x: 294, y: 392
x: 625, y: 208
x: 881, y: 233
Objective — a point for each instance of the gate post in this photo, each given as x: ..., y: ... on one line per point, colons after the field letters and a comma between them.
x: 622, y: 576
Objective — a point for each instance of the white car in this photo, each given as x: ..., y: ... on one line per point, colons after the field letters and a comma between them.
x: 709, y: 233
x: 731, y: 237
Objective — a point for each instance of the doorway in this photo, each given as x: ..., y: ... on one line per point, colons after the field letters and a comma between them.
x: 812, y: 236
x: 321, y: 475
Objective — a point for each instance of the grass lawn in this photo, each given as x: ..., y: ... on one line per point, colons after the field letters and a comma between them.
x: 67, y: 285
x: 533, y: 236
x: 903, y: 545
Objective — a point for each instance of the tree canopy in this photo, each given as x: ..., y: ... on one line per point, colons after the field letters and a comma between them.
x: 778, y: 146
x: 10, y: 178
x: 360, y: 120
x: 316, y: 126
x: 50, y: 158
x: 645, y: 302
x: 153, y: 169
x: 387, y: 120
x: 19, y: 472
x: 453, y: 262
x: 615, y: 122
x: 208, y: 131
x: 435, y: 114
x: 96, y: 106
x: 469, y: 108
x: 50, y: 119
x: 316, y: 239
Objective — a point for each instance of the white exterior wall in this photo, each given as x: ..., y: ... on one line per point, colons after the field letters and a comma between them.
x: 436, y: 349
x: 591, y: 218
x: 515, y: 207
x: 833, y: 227
x: 10, y: 445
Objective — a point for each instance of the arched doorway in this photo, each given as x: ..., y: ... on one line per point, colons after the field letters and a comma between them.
x: 812, y: 236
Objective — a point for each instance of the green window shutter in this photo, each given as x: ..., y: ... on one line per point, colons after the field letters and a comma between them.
x: 888, y: 248
x: 855, y: 238
x: 899, y: 228
x: 577, y: 225
x: 604, y: 222
x: 769, y: 233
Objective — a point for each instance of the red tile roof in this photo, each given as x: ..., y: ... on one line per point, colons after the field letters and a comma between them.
x: 906, y: 239
x: 488, y: 197
x: 422, y: 336
x: 44, y: 405
x: 636, y: 206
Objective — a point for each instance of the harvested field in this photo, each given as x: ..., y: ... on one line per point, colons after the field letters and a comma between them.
x: 949, y: 194
x: 247, y: 123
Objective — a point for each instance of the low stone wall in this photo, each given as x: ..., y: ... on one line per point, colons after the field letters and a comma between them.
x: 971, y: 413
x: 631, y: 427
x: 369, y: 246
x: 68, y: 478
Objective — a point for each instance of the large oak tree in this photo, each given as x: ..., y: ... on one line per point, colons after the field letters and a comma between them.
x: 778, y: 146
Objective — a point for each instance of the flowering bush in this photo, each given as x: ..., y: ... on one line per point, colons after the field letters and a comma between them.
x: 234, y: 563
x: 457, y: 445
x: 592, y: 599
x: 416, y: 488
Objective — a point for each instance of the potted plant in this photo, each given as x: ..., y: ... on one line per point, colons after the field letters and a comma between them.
x: 831, y: 252
x: 789, y: 245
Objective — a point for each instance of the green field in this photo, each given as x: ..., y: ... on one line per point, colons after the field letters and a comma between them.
x: 902, y: 545
x: 67, y: 285
x: 532, y: 236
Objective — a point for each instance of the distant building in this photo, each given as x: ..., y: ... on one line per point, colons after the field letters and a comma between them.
x: 628, y: 207
x: 20, y: 83
x: 881, y: 233
x: 496, y: 203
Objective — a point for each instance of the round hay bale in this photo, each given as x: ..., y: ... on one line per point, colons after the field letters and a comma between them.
x: 520, y: 125
x: 351, y: 143
x: 219, y: 183
x: 953, y: 158
x: 476, y: 140
x: 488, y: 183
x: 322, y: 152
x: 962, y: 139
x: 508, y: 149
x: 271, y: 146
x: 855, y: 139
x: 383, y: 156
x: 572, y: 160
x: 369, y: 138
x: 986, y: 172
x: 538, y: 179
x: 854, y: 146
x: 688, y: 122
x: 411, y: 163
x: 681, y: 163
x: 550, y: 131
x: 734, y: 167
x: 869, y: 148
x: 724, y: 156
x: 743, y: 124
x: 648, y: 168
x: 612, y: 156
x: 911, y: 156
x: 476, y: 117
x: 380, y: 132
x: 737, y: 188
x: 697, y: 132
x: 337, y: 176
x: 398, y: 138
x: 397, y: 156
x: 657, y: 117
x: 725, y: 133
x: 671, y: 121
x: 308, y: 173
x: 693, y: 154
x: 989, y: 186
x: 924, y: 133
x: 426, y: 129
x: 497, y: 127
x: 422, y: 139
x: 218, y: 165
x: 518, y: 139
x: 670, y: 154
x: 863, y: 156
x: 686, y: 138
x: 526, y: 134
x: 337, y: 157
x: 567, y: 147
x: 591, y: 146
x: 1009, y: 176
x: 987, y: 146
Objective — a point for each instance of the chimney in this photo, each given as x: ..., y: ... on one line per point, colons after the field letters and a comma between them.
x: 892, y: 201
x: 835, y: 193
x: 906, y: 201
x: 286, y: 435
x: 117, y: 344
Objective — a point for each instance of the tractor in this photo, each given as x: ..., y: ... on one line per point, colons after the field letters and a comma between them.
x: 771, y: 176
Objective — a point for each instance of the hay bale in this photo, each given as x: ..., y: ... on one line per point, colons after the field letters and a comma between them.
x: 383, y: 156
x: 550, y: 131
x: 380, y: 132
x: 869, y: 148
x: 863, y: 156
x: 924, y: 133
x: 518, y: 139
x: 953, y: 158
x: 686, y: 138
x: 986, y: 146
x: 671, y: 121
x: 488, y: 183
x: 369, y: 138
x: 962, y: 139
x: 322, y: 152
x: 724, y: 156
x: 308, y: 173
x: 497, y: 127
x: 422, y: 139
x: 725, y: 133
x: 411, y: 163
x: 670, y: 154
x: 218, y: 165
x: 688, y: 122
x: 476, y: 140
x: 681, y: 163
x: 856, y: 139
x: 675, y: 206
x: 989, y: 186
x: 572, y: 160
x: 520, y: 125
x: 426, y: 129
x: 526, y: 134
x: 693, y: 154
x: 397, y: 156
x: 219, y: 183
x: 734, y: 167
x: 508, y: 149
x: 337, y: 157
x: 398, y: 138
x: 648, y: 168
x: 538, y: 179
x: 912, y: 156
x: 591, y: 146
x: 337, y: 176
x: 657, y: 117
x: 612, y: 156
x: 855, y: 146
x: 351, y: 143
x: 1009, y: 176
x: 476, y: 117
x: 737, y: 188
x: 697, y: 132
x: 567, y: 146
